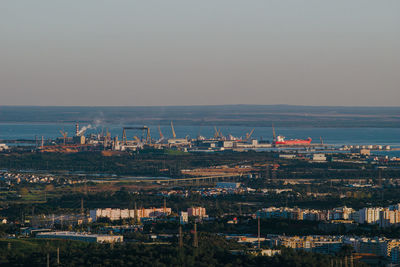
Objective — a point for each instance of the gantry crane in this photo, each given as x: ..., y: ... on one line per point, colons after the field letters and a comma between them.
x: 145, y: 129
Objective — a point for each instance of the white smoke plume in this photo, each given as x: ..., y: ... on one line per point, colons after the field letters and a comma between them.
x: 84, y: 128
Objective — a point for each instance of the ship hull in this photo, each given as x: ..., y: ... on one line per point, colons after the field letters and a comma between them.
x: 294, y: 142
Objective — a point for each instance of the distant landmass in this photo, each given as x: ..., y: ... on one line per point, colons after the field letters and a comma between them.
x: 240, y: 115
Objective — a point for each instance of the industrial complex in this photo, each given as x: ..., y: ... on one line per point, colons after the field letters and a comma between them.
x: 136, y: 138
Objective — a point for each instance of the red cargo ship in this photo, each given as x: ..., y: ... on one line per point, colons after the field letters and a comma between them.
x: 280, y: 140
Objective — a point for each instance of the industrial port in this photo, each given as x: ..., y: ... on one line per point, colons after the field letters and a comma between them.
x: 138, y: 138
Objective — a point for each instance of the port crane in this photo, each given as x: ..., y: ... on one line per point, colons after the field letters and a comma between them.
x: 161, y: 135
x: 248, y: 135
x: 273, y: 133
x: 173, y: 130
x: 218, y: 133
x: 159, y: 131
x: 64, y: 135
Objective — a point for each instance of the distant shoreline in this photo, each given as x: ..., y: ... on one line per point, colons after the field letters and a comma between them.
x: 234, y: 115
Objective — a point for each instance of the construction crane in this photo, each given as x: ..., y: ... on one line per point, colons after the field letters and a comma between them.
x: 248, y: 135
x: 173, y: 130
x: 64, y: 134
x: 161, y: 135
x: 148, y: 136
x: 217, y: 133
x: 273, y: 133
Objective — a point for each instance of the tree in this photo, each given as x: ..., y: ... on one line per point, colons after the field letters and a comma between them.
x: 23, y: 191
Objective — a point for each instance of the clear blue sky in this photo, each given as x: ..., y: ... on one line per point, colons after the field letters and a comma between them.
x: 170, y: 52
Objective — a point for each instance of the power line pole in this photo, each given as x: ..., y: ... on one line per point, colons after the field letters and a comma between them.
x: 82, y: 211
x: 33, y: 215
x: 48, y: 260
x: 259, y: 245
x: 195, y: 240
x: 58, y: 256
x: 180, y: 237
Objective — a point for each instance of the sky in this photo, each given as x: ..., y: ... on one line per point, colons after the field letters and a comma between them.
x: 208, y: 52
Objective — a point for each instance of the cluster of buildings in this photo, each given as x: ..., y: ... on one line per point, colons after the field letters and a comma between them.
x: 221, y: 188
x: 224, y: 188
x: 384, y: 217
x: 121, y: 214
x: 143, y: 214
x: 369, y: 147
x: 315, y: 157
x: 378, y: 246
x: 16, y: 178
x: 342, y: 213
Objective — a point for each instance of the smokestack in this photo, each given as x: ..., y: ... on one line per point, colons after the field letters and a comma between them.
x: 77, y: 129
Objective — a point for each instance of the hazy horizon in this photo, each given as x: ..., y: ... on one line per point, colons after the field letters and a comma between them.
x: 180, y: 53
x: 201, y: 105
